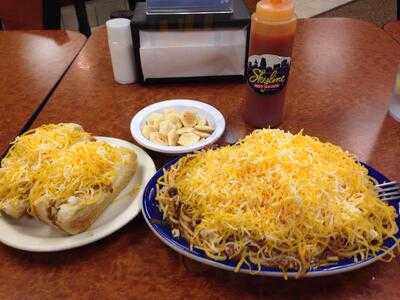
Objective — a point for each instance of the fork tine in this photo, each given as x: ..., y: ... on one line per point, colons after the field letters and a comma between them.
x: 386, y: 184
x: 389, y: 194
x: 389, y: 189
x: 390, y: 198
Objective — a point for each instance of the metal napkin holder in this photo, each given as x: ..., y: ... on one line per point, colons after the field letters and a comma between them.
x: 210, y: 36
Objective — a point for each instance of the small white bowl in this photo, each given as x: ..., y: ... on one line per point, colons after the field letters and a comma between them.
x: 210, y: 113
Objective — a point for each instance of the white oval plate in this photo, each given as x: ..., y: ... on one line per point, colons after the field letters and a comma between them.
x: 213, y: 116
x: 29, y: 234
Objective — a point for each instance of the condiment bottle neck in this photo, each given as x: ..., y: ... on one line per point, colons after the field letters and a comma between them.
x: 275, y: 10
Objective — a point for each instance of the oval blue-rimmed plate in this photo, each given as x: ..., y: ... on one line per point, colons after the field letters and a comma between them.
x: 153, y: 217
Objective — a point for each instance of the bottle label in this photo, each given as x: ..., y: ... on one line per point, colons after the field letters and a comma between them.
x: 268, y: 74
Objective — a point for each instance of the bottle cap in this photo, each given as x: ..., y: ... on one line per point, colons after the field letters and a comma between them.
x: 275, y: 10
x: 125, y: 14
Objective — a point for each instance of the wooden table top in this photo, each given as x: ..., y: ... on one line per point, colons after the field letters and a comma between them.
x: 393, y: 28
x: 338, y: 90
x: 31, y: 63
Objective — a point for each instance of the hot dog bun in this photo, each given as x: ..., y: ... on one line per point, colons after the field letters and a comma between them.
x: 86, y: 192
x: 27, y: 153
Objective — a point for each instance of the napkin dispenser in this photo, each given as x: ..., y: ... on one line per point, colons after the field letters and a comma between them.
x: 191, y: 46
x: 157, y: 7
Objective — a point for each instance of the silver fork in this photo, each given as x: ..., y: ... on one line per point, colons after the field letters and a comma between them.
x: 388, y: 191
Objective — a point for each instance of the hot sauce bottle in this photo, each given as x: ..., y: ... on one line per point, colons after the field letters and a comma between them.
x: 273, y: 27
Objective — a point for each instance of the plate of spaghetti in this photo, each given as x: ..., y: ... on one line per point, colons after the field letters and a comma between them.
x: 274, y: 204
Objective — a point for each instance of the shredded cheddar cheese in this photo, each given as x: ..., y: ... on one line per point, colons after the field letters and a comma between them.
x: 276, y: 199
x: 29, y: 152
x: 82, y: 171
x: 56, y: 161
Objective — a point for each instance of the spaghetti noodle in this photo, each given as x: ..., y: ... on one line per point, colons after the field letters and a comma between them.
x: 276, y: 199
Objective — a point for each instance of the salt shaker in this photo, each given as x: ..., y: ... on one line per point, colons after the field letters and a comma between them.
x: 394, y: 104
x: 121, y: 50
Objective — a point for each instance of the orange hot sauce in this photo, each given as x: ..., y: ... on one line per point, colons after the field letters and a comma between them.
x: 273, y: 27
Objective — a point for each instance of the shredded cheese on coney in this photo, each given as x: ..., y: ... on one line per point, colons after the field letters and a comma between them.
x: 83, y: 170
x: 29, y: 152
x: 276, y: 199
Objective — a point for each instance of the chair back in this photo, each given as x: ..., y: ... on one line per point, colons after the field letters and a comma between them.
x: 52, y: 13
x: 398, y: 9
